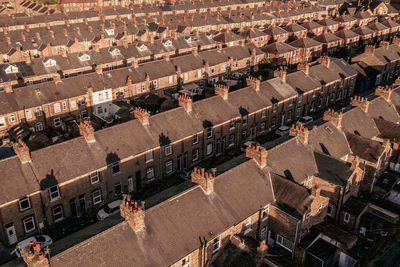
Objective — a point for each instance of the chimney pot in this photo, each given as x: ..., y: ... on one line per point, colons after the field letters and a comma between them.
x: 185, y: 101
x: 205, y: 180
x: 222, y: 90
x: 384, y: 92
x: 86, y: 130
x: 258, y: 153
x: 253, y: 82
x: 334, y: 117
x: 301, y: 132
x: 360, y: 102
x: 133, y: 213
x: 142, y: 115
x: 22, y: 151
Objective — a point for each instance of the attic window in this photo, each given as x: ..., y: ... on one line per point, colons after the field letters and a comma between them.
x: 84, y: 57
x: 329, y: 130
x: 115, y: 52
x: 167, y: 43
x: 110, y: 31
x: 11, y: 69
x: 49, y: 63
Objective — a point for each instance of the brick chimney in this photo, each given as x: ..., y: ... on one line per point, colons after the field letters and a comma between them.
x: 360, y: 102
x: 384, y: 44
x: 258, y: 153
x: 222, y: 90
x: 185, y: 101
x: 8, y: 39
x: 87, y: 131
x: 397, y: 82
x: 396, y: 41
x: 281, y: 74
x: 369, y: 49
x: 205, y: 180
x: 304, y: 67
x: 22, y: 151
x: 33, y: 256
x: 262, y: 249
x: 99, y: 70
x: 133, y: 213
x: 326, y: 61
x: 301, y: 132
x: 142, y: 115
x: 253, y: 82
x: 384, y: 92
x: 334, y: 117
x: 195, y: 51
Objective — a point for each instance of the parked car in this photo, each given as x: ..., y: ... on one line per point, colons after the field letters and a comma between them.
x: 44, y: 241
x: 246, y: 144
x: 221, y: 159
x: 306, y: 120
x: 109, y: 209
x: 186, y: 174
x: 282, y: 131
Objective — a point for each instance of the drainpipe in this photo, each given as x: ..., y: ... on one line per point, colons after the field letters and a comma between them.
x: 205, y: 251
x: 295, y: 239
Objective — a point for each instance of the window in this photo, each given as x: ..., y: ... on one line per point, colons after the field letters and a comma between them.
x: 186, y: 262
x: 149, y: 156
x: 12, y: 117
x: 300, y: 99
x: 247, y: 226
x: 168, y: 167
x: 347, y: 187
x: 244, y: 119
x: 186, y: 76
x: 94, y: 177
x: 329, y: 210
x: 28, y: 114
x: 346, y: 218
x: 29, y: 225
x: 115, y: 167
x: 307, y: 220
x: 264, y: 113
x: 209, y: 132
x: 264, y: 214
x: 138, y: 90
x: 58, y: 214
x: 284, y: 242
x: 209, y: 148
x: 195, y: 139
x: 96, y: 197
x: 195, y: 155
x: 64, y: 105
x: 117, y: 188
x: 168, y: 150
x: 244, y: 135
x: 39, y: 127
x: 274, y: 107
x: 199, y: 74
x: 262, y: 127
x: 57, y: 122
x: 170, y: 79
x: 57, y: 108
x: 24, y: 204
x: 54, y: 193
x: 39, y: 112
x: 150, y: 173
x: 320, y: 209
x: 216, y: 244
x: 231, y: 140
x: 73, y: 104
x: 155, y: 85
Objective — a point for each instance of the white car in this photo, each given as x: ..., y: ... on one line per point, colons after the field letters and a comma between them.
x: 246, y: 145
x: 44, y: 241
x: 109, y: 209
x: 282, y: 131
x: 307, y: 120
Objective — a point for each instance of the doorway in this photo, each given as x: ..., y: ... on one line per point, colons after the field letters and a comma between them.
x: 12, y: 235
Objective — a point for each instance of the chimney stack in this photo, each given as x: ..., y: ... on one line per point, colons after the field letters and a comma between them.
x: 384, y: 92
x: 396, y: 41
x: 360, y: 102
x: 22, y: 151
x: 334, y: 117
x: 301, y: 132
x: 142, y: 115
x: 205, y: 180
x: 397, y: 82
x: 258, y: 153
x: 99, y: 70
x: 326, y: 61
x: 51, y: 34
x: 186, y: 102
x: 384, y: 44
x: 369, y: 49
x: 222, y: 90
x: 87, y: 131
x: 304, y: 67
x: 8, y: 39
x: 281, y: 74
x: 253, y: 82
x: 133, y: 212
x: 33, y: 256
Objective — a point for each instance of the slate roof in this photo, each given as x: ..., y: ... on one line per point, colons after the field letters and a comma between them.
x: 332, y: 170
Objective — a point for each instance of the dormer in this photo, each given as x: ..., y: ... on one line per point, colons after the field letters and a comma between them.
x: 49, y: 62
x: 110, y: 31
x: 115, y: 52
x: 141, y: 47
x: 10, y: 69
x: 167, y: 43
x: 84, y: 57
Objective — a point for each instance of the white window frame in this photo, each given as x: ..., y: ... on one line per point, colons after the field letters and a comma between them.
x: 57, y: 108
x: 114, y: 165
x: 64, y: 105
x: 149, y: 156
x: 280, y: 240
x: 232, y: 124
x: 61, y: 211
x: 94, y: 177
x: 346, y: 215
x: 209, y: 132
x: 247, y: 226
x: 27, y: 220
x: 231, y: 140
x: 195, y: 139
x: 307, y: 218
x: 97, y: 199
x: 327, y: 209
x: 53, y: 192
x: 195, y: 155
x: 186, y: 261
x: 168, y: 150
x: 265, y: 213
x: 216, y: 244
x: 168, y: 167
x: 12, y: 118
x: 150, y: 173
x: 244, y: 119
x: 209, y: 148
x: 28, y: 114
x: 39, y: 127
x: 57, y: 122
x: 24, y: 199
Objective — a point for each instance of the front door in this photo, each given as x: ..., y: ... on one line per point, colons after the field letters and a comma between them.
x: 138, y: 179
x: 82, y: 205
x: 223, y: 143
x: 130, y: 184
x: 283, y: 120
x: 179, y: 163
x: 185, y: 161
x: 263, y: 234
x: 12, y: 235
x: 218, y: 146
x: 72, y: 206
